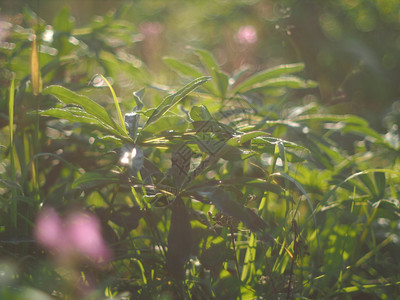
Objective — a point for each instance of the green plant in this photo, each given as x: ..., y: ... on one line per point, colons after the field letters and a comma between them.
x: 229, y: 187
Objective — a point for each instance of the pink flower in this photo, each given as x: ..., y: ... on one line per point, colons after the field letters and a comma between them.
x: 83, y: 231
x: 48, y: 229
x: 78, y: 235
x: 246, y: 35
x: 151, y: 28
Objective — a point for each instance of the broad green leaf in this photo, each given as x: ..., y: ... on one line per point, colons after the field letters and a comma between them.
x: 173, y: 99
x: 69, y: 97
x: 64, y: 22
x: 179, y: 240
x: 188, y: 70
x: 268, y: 74
x: 165, y: 123
x: 207, y: 59
x: 366, y: 180
x: 200, y: 113
x: 222, y: 82
x: 251, y: 135
x: 221, y: 79
x: 183, y: 68
x: 364, y: 131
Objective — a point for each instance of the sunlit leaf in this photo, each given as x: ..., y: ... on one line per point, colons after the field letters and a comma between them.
x: 69, y: 97
x: 268, y: 74
x: 173, y: 99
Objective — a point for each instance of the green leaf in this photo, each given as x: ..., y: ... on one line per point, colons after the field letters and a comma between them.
x: 165, y: 123
x: 97, y: 111
x: 366, y: 180
x: 63, y: 21
x: 92, y: 179
x: 273, y: 141
x: 226, y: 203
x: 173, y: 99
x: 303, y: 191
x: 222, y: 82
x: 200, y: 113
x: 188, y: 70
x: 363, y: 131
x: 10, y: 184
x: 380, y: 181
x: 291, y: 82
x: 182, y: 68
x: 348, y: 119
x: 180, y: 163
x: 221, y: 79
x: 268, y: 74
x: 179, y: 240
x: 251, y: 135
x: 76, y: 114
x: 207, y: 59
x: 258, y: 183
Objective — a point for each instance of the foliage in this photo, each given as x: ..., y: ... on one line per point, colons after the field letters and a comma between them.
x: 220, y: 186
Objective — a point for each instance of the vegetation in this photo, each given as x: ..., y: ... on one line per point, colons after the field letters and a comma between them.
x: 122, y: 178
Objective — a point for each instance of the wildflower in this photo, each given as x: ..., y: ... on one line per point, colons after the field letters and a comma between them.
x: 246, y: 35
x: 79, y: 235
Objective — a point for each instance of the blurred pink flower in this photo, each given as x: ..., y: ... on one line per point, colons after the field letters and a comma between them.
x: 78, y: 235
x: 83, y: 231
x: 150, y: 28
x: 246, y: 35
x: 48, y: 229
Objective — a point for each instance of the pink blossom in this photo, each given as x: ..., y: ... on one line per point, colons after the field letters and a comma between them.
x: 78, y: 235
x: 48, y: 229
x: 150, y: 28
x: 83, y: 231
x: 246, y: 35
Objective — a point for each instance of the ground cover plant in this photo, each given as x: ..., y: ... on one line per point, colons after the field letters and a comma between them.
x: 211, y: 185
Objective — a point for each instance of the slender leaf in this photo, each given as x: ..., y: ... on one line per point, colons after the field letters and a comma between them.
x: 91, y: 179
x: 35, y: 68
x: 69, y: 97
x: 173, y: 99
x: 268, y: 74
x: 291, y: 82
x: 75, y: 114
x: 207, y: 59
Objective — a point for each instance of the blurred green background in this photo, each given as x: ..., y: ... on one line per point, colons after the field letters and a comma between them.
x: 351, y: 47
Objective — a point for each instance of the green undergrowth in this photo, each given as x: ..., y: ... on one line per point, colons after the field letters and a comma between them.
x: 217, y: 186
